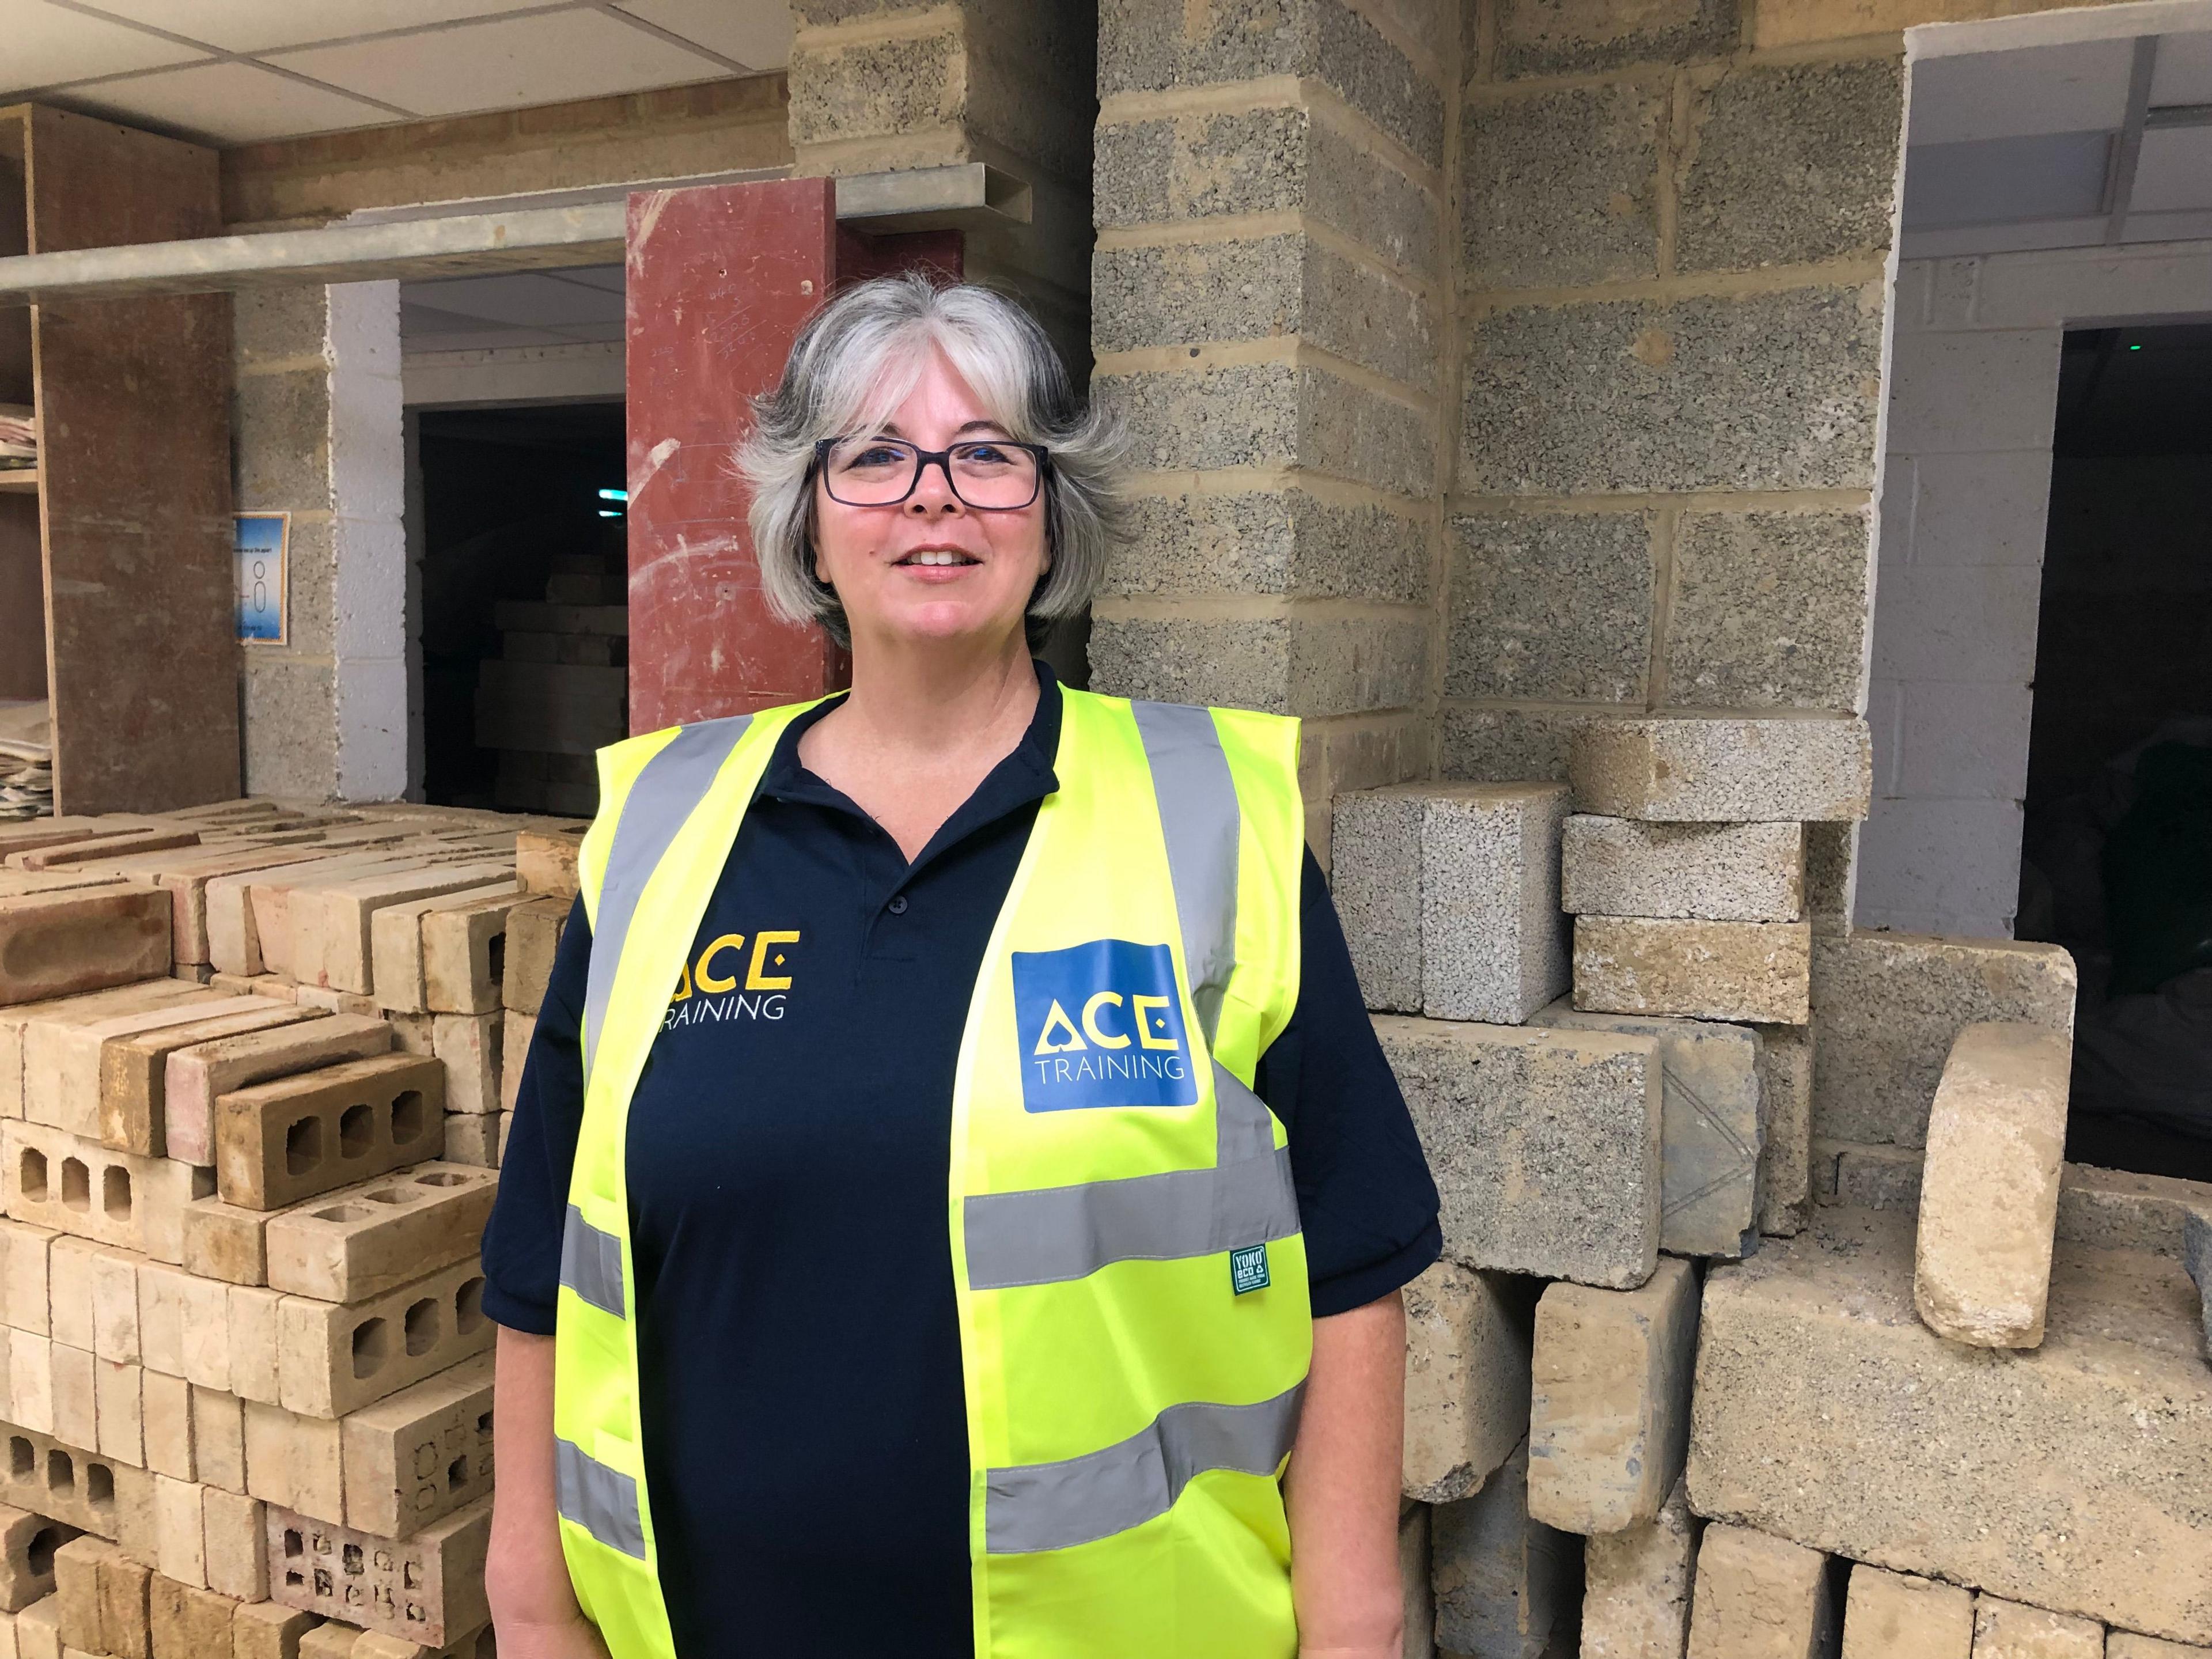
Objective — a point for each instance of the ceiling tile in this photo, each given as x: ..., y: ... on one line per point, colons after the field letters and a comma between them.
x: 525, y: 298
x: 756, y: 33
x: 613, y: 278
x: 2174, y: 171
x: 2184, y: 74
x: 505, y: 64
x: 46, y: 45
x: 223, y: 104
x: 2011, y: 94
x: 263, y: 25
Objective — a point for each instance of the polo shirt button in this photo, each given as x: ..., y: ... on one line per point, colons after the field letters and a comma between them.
x: 898, y: 906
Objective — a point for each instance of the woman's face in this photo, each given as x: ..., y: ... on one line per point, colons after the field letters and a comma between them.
x: 930, y: 566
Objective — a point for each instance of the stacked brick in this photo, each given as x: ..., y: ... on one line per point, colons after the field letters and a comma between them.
x: 1641, y: 1326
x: 559, y: 689
x: 249, y: 1090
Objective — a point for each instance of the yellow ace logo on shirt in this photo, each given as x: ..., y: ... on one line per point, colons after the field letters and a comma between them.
x: 729, y: 982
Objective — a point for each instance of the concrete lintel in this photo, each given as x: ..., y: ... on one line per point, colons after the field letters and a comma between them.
x: 962, y: 196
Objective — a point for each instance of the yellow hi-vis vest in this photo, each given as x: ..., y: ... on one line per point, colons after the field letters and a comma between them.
x: 1130, y: 1275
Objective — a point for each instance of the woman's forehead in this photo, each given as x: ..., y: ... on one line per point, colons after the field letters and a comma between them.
x: 925, y: 386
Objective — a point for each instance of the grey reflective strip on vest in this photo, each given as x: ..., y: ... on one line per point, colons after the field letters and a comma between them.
x: 601, y: 1500
x: 671, y: 785
x: 1054, y: 1234
x: 591, y: 1263
x: 1079, y: 1500
x: 1200, y: 816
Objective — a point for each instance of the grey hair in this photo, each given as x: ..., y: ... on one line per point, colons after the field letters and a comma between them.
x: 856, y: 361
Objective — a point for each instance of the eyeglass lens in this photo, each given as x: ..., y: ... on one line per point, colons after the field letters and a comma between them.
x: 878, y: 471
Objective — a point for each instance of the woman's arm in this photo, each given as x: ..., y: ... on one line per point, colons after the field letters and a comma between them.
x: 533, y: 1609
x: 1342, y: 1487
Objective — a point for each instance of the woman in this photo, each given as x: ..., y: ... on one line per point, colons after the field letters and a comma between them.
x: 925, y: 1275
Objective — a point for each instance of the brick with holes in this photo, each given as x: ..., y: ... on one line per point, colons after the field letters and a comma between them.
x: 93, y: 1494
x: 419, y: 1455
x: 360, y: 1241
x: 73, y: 1185
x: 397, y: 943
x: 533, y: 932
x: 427, y: 1588
x: 201, y: 1074
x: 335, y: 1358
x: 465, y: 955
x: 28, y: 1543
x: 469, y: 1044
x: 277, y: 1142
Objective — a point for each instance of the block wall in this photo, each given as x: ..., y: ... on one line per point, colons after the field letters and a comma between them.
x: 316, y: 432
x: 876, y: 85
x: 1271, y: 321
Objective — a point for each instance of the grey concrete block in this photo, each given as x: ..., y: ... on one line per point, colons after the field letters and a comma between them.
x: 269, y: 324
x: 2072, y: 1475
x: 1636, y: 1586
x: 1468, y: 1337
x: 291, y: 728
x: 2006, y: 1630
x: 2124, y: 1209
x: 1721, y: 770
x: 1769, y: 610
x: 1832, y: 853
x: 1287, y: 666
x: 1194, y: 292
x: 1710, y: 1126
x: 1786, y: 1059
x: 1475, y: 869
x: 1543, y: 1145
x: 1147, y: 46
x: 279, y: 442
x: 1890, y: 1615
x: 1558, y: 188
x: 1545, y: 37
x: 1289, y: 542
x: 1714, y: 871
x: 1755, y: 971
x: 2196, y: 1256
x: 1864, y: 1177
x: 1759, y: 392
x: 1271, y: 415
x: 1758, y: 1596
x: 1888, y: 1007
x: 1989, y: 1186
x: 1551, y: 607
x: 1495, y: 745
x: 1790, y: 164
x: 1173, y: 170
x: 878, y: 89
x: 1503, y: 1581
x: 1609, y: 1402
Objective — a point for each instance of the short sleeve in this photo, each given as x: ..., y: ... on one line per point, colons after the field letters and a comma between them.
x: 1365, y: 1197
x: 522, y: 1242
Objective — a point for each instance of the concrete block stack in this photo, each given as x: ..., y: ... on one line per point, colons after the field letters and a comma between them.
x: 560, y: 688
x: 250, y: 1088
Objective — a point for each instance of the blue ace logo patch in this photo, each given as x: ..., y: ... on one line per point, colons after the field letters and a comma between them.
x: 1100, y: 1024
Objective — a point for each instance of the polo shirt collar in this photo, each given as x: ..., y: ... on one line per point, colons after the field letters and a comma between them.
x: 1023, y: 778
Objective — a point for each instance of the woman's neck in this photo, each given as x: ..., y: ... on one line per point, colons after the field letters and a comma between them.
x: 937, y: 701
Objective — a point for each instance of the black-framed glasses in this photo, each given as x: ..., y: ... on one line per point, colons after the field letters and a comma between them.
x: 993, y: 475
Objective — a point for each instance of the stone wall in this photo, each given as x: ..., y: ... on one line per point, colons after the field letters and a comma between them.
x: 315, y: 425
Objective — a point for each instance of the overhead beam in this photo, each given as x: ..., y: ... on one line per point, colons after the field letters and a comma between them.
x: 448, y: 244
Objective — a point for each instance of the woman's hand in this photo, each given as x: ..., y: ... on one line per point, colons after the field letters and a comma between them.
x: 533, y: 1607
x: 1343, y: 1485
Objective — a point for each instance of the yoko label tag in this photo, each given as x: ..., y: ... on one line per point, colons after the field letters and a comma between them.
x: 1248, y: 1269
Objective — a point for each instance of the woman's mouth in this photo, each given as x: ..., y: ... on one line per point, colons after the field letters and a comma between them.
x: 938, y: 557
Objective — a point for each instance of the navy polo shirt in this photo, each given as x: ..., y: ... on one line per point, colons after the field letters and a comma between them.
x: 790, y: 1148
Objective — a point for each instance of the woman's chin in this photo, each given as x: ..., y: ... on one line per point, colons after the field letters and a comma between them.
x: 947, y: 621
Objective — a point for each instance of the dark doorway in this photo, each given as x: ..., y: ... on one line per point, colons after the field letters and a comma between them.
x: 2117, y: 840
x: 524, y: 572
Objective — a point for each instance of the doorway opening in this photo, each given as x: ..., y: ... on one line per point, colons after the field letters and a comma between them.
x: 525, y: 618
x: 2116, y: 842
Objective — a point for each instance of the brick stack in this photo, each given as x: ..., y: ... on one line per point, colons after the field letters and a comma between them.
x: 249, y: 1088
x: 1915, y: 1416
x: 560, y: 688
